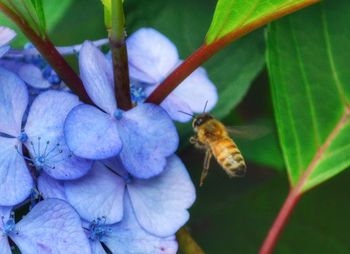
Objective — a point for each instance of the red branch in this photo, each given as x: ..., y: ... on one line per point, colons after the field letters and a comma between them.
x: 206, y: 51
x: 296, y: 191
x: 50, y: 53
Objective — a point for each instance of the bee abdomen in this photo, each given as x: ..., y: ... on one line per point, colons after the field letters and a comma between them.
x: 229, y: 157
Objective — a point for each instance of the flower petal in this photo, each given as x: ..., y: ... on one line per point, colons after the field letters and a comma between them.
x: 3, y: 50
x: 4, y: 243
x: 45, y: 131
x: 151, y: 55
x: 127, y: 237
x: 148, y: 136
x: 52, y: 226
x: 161, y: 203
x: 196, y: 90
x: 98, y: 194
x: 13, y: 102
x: 96, y: 248
x: 6, y: 35
x: 91, y: 134
x: 50, y: 187
x: 177, y: 108
x: 97, y: 75
x: 33, y: 76
x: 15, y: 180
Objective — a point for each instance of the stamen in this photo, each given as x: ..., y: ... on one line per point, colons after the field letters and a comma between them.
x: 118, y: 114
x: 23, y: 137
x: 45, y: 156
x: 98, y: 229
x: 138, y: 94
x: 9, y: 226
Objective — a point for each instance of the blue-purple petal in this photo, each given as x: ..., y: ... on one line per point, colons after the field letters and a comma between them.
x: 151, y: 55
x: 4, y: 243
x: 197, y: 90
x: 98, y: 194
x: 6, y: 35
x: 16, y: 181
x: 149, y: 137
x: 44, y: 128
x: 96, y: 247
x: 33, y: 76
x: 91, y: 133
x: 161, y: 203
x: 97, y: 75
x: 13, y: 102
x: 177, y: 109
x: 127, y: 237
x: 50, y: 187
x: 52, y: 226
x: 3, y: 50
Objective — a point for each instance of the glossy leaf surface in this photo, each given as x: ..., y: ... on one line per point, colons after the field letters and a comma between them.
x: 310, y: 83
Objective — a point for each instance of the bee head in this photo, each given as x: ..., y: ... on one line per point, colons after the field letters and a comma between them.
x: 200, y: 119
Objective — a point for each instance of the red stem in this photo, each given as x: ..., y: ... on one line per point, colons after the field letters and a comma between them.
x: 206, y: 51
x: 280, y: 222
x: 296, y: 192
x: 50, y: 53
x: 121, y: 74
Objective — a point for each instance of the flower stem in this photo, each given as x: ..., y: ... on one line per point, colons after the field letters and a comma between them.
x: 49, y: 52
x: 206, y: 51
x: 186, y: 243
x: 120, y: 56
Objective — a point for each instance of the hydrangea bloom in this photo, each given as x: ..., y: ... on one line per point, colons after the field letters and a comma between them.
x: 6, y: 35
x: 42, y: 135
x: 160, y: 204
x: 152, y: 57
x: 128, y: 237
x: 52, y: 226
x: 136, y: 195
x: 144, y: 136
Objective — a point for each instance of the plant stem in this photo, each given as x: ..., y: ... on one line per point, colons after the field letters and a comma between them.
x: 52, y: 56
x: 280, y: 222
x: 296, y: 191
x: 208, y: 50
x: 186, y: 243
x: 120, y: 56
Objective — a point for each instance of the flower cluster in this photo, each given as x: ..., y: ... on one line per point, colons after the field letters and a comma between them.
x: 95, y: 177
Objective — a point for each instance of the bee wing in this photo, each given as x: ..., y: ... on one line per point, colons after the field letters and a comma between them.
x: 249, y: 132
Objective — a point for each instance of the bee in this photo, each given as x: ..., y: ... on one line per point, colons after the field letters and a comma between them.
x: 213, y: 136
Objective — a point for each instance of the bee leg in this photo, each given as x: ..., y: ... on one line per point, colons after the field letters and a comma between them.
x: 194, y: 140
x: 206, y: 166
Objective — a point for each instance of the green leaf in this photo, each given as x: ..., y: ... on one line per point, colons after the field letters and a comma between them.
x: 232, y: 70
x: 53, y: 10
x: 231, y: 15
x: 38, y: 5
x: 107, y: 8
x: 310, y: 82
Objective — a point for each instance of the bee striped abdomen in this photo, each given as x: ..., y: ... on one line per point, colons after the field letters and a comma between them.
x: 228, y: 156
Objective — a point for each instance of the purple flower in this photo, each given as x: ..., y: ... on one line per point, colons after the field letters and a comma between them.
x: 128, y: 237
x: 152, y: 57
x: 6, y: 35
x: 52, y: 226
x: 160, y: 204
x: 42, y: 135
x: 143, y: 136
